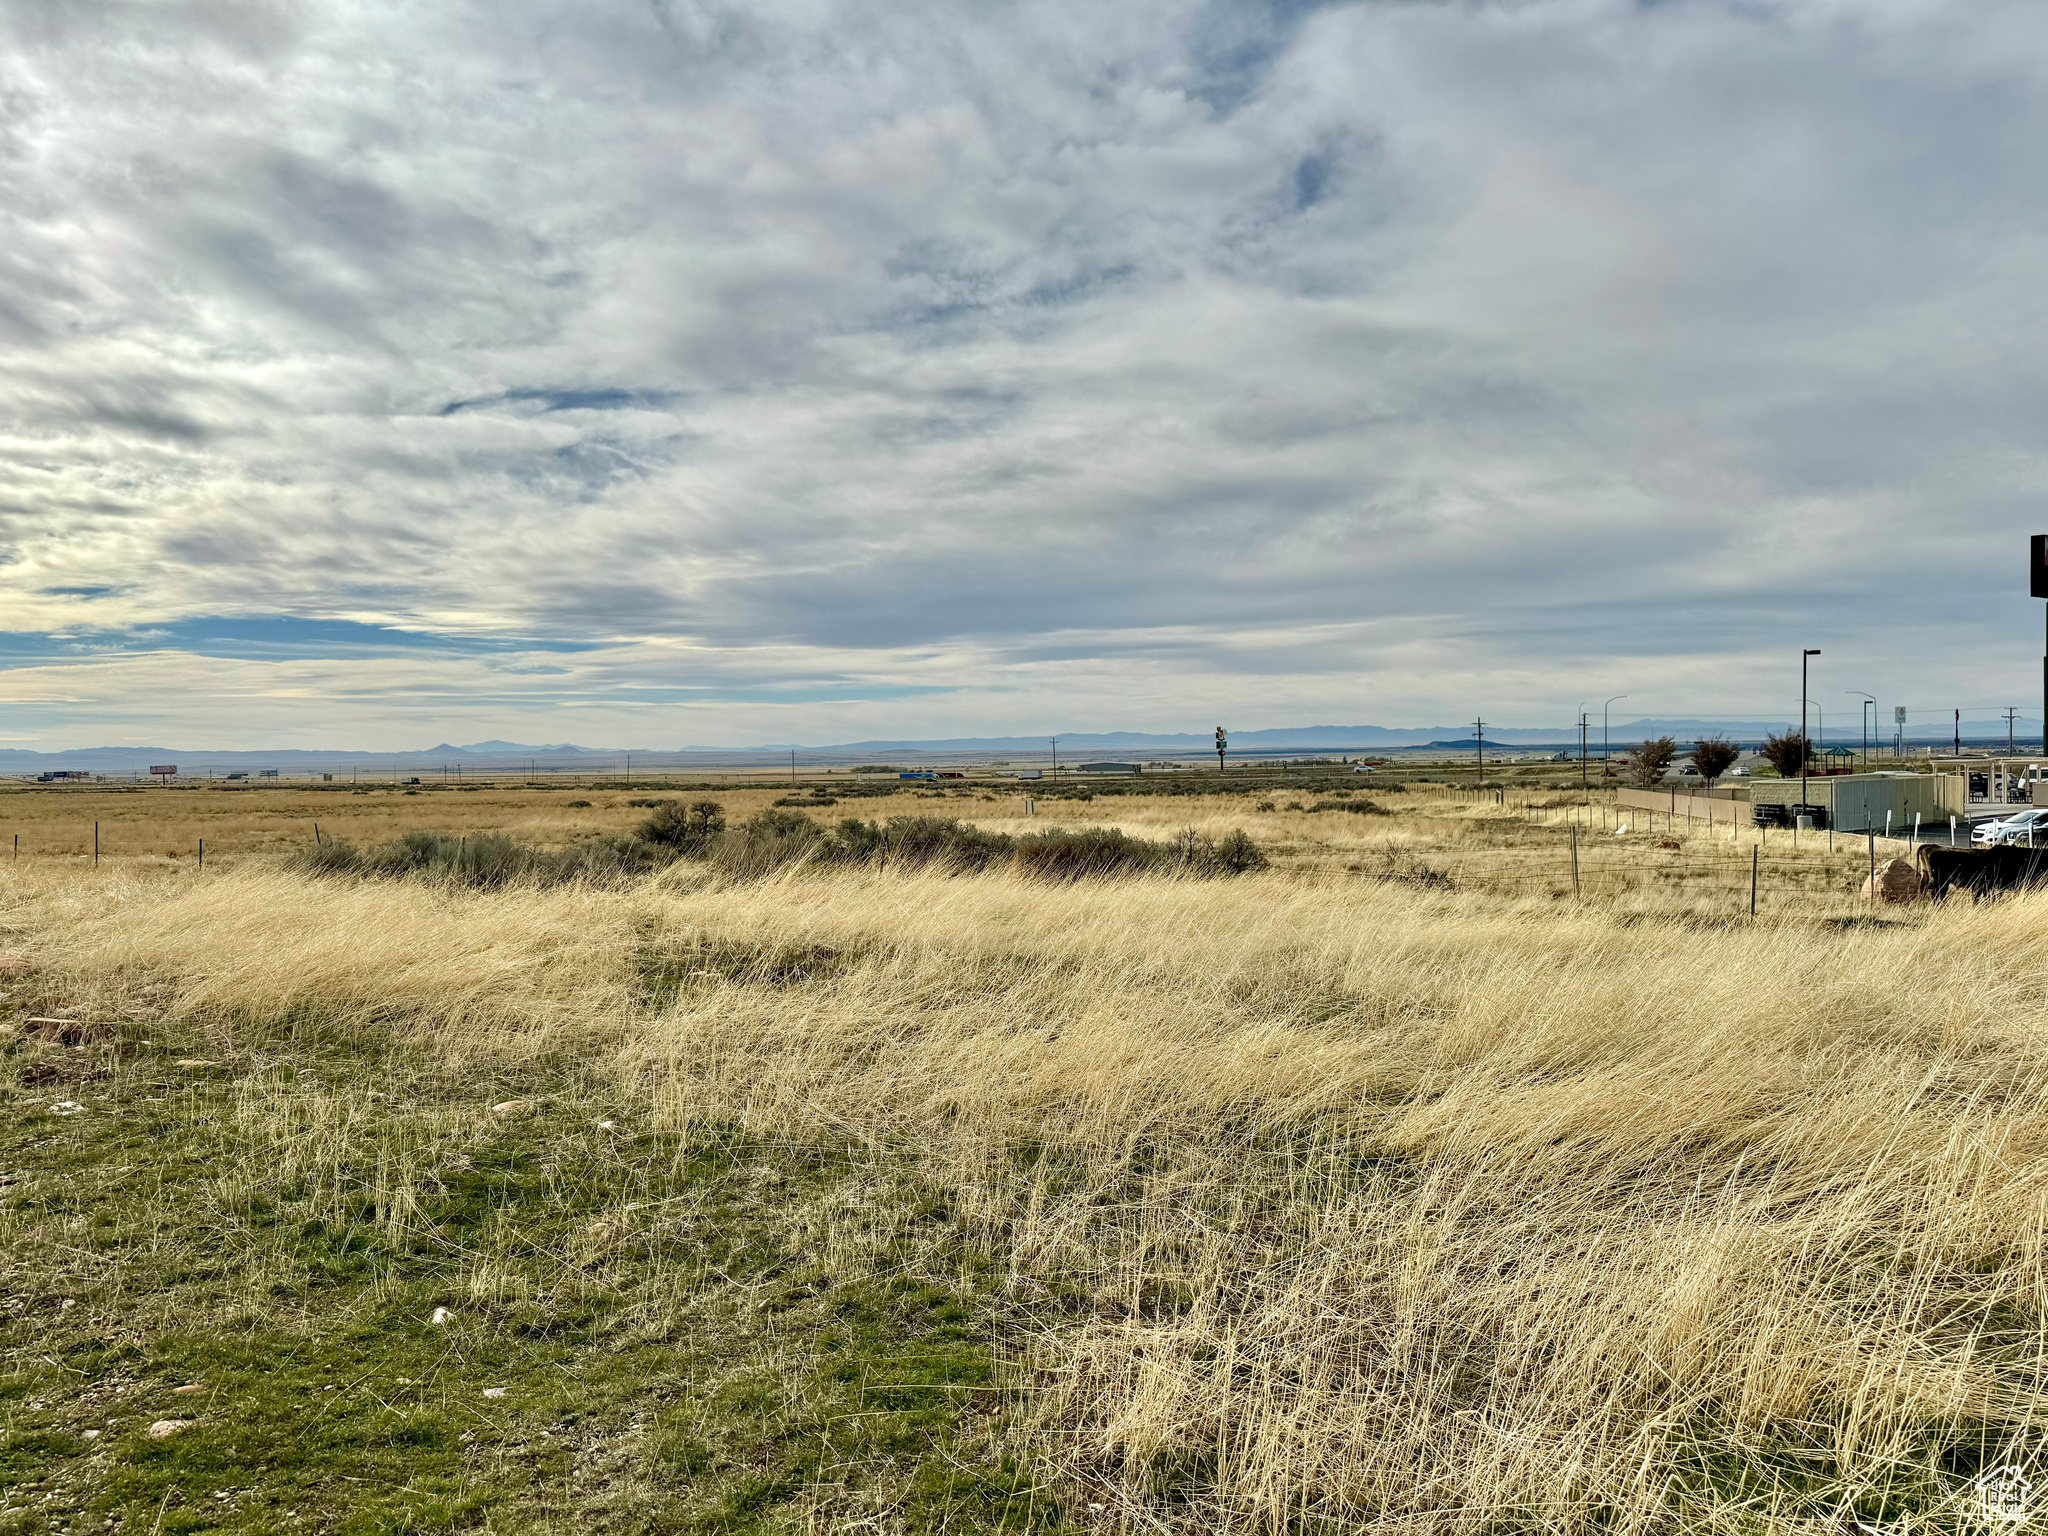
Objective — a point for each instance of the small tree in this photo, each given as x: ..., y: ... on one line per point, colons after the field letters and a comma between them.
x: 1713, y: 757
x: 1651, y: 759
x: 685, y: 830
x: 1788, y: 753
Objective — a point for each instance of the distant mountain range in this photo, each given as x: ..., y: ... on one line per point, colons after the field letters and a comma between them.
x: 558, y: 757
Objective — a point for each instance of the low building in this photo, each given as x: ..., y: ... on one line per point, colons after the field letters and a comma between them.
x: 1859, y: 802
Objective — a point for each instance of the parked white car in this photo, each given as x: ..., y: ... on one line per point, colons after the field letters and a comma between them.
x: 2015, y: 828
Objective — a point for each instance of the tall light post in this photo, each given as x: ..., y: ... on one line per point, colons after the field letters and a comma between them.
x: 1582, y: 746
x: 1603, y: 736
x: 1805, y: 746
x: 2037, y: 586
x: 1866, y: 712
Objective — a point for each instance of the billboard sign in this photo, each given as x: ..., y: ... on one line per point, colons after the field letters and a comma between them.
x: 165, y: 769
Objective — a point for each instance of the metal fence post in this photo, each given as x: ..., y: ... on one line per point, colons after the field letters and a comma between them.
x: 1752, y: 881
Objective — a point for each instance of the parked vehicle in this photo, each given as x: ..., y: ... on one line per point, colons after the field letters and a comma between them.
x: 2020, y: 827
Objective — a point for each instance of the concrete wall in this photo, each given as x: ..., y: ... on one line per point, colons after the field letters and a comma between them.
x: 1682, y: 807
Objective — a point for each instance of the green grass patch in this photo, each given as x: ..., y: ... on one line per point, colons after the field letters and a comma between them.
x: 644, y: 1332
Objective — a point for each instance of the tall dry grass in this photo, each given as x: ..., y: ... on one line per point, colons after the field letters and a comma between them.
x: 1321, y: 1200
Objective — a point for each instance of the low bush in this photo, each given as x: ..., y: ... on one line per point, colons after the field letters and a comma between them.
x: 774, y: 840
x: 1236, y: 854
x: 1065, y: 855
x: 686, y: 829
x: 485, y: 860
x: 1355, y: 807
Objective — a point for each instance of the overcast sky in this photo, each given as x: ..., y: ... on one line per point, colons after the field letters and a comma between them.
x: 662, y: 372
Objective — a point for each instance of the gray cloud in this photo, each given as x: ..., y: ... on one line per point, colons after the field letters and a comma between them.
x: 1083, y: 365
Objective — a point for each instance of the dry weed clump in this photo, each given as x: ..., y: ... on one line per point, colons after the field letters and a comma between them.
x: 1321, y: 1200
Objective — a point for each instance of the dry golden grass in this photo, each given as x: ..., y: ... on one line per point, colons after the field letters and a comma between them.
x: 1321, y: 1197
x: 166, y: 824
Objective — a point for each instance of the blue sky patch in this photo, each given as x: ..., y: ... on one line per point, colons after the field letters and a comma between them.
x: 273, y: 637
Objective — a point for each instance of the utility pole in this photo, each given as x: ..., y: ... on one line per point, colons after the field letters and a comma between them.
x: 2010, y: 715
x: 792, y: 769
x: 1603, y: 735
x: 1582, y: 746
x: 1479, y: 734
x: 1055, y: 757
x: 1222, y: 746
x: 1959, y: 734
x: 1805, y: 747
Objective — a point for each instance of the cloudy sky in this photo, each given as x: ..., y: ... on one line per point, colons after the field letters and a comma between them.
x: 668, y: 371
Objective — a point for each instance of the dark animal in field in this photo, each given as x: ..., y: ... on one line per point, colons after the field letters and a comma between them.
x: 1981, y: 871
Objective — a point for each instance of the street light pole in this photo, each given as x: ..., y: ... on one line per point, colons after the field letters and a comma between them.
x: 1805, y: 746
x: 2037, y: 586
x: 1603, y: 736
x: 1582, y: 746
x: 1865, y: 712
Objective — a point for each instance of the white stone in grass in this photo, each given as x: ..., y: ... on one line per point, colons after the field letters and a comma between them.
x: 441, y: 1315
x: 163, y: 1429
x: 90, y: 1434
x: 511, y: 1107
x: 192, y: 1062
x: 66, y: 1107
x: 494, y: 1391
x: 605, y: 1125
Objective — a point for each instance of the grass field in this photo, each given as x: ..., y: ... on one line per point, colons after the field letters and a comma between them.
x: 1390, y: 1188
